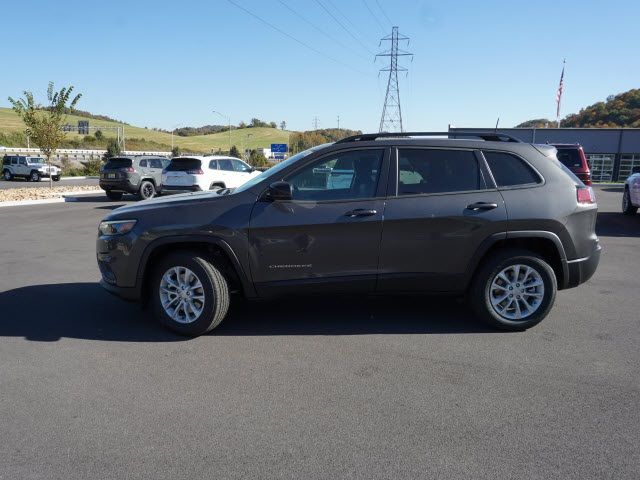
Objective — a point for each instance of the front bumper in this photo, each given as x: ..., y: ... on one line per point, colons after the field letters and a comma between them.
x: 582, y: 269
x: 131, y: 294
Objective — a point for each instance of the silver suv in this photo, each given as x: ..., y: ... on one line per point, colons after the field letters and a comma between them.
x: 30, y: 168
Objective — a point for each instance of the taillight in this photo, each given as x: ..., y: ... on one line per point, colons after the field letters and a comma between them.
x: 195, y: 171
x: 585, y: 195
x: 127, y: 169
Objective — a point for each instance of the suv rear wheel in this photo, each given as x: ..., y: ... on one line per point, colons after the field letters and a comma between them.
x: 627, y: 206
x: 147, y: 190
x: 7, y: 175
x: 189, y: 294
x: 513, y: 290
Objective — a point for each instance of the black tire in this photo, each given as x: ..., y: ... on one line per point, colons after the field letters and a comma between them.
x: 56, y: 178
x: 113, y: 195
x: 214, y: 287
x: 627, y: 206
x: 147, y: 190
x: 7, y: 175
x: 33, y: 177
x: 480, y: 291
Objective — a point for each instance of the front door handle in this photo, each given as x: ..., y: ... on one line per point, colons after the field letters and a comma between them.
x: 360, y: 212
x: 482, y: 206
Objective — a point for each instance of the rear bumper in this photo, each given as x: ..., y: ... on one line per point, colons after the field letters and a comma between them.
x: 582, y: 269
x: 118, y: 185
x: 181, y: 188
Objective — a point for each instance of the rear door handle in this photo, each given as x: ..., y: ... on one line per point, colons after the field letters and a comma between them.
x: 360, y: 212
x: 482, y: 206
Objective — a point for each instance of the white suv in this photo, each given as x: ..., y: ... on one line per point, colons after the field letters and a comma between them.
x: 631, y: 195
x: 205, y: 173
x: 30, y: 168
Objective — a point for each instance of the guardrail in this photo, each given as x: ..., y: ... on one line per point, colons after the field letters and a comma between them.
x: 75, y: 152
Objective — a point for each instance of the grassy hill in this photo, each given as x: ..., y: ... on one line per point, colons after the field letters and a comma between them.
x: 11, y: 128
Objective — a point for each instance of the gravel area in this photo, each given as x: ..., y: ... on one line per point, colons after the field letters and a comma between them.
x: 13, y: 194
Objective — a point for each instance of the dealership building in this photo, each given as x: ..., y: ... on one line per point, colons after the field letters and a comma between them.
x: 612, y: 152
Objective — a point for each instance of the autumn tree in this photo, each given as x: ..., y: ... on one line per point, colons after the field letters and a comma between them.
x: 44, y: 124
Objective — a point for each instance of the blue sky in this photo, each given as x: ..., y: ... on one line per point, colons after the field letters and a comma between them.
x: 166, y: 64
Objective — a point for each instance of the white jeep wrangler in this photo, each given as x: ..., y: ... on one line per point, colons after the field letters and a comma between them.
x: 30, y: 168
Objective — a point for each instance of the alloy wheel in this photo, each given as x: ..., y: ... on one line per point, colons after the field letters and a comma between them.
x: 181, y: 295
x: 516, y: 292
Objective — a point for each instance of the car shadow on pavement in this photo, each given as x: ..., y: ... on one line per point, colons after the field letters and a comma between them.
x: 614, y: 224
x: 86, y: 311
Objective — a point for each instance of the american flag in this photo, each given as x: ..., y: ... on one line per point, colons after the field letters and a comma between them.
x: 560, y: 90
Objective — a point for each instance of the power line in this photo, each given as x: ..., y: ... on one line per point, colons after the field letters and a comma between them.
x: 248, y: 12
x: 375, y: 17
x: 343, y: 27
x: 302, y: 17
x: 383, y: 13
x: 353, y: 25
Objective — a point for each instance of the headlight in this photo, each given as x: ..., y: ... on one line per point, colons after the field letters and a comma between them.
x: 116, y: 227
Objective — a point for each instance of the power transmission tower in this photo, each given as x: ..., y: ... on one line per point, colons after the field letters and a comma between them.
x: 316, y: 123
x: 391, y: 120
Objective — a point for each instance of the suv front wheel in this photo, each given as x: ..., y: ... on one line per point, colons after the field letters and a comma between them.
x: 189, y: 294
x: 513, y: 290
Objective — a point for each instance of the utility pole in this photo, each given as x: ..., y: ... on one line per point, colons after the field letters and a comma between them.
x: 316, y: 122
x: 391, y: 120
x: 338, y: 123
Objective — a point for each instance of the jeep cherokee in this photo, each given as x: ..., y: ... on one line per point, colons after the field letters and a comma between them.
x: 500, y: 220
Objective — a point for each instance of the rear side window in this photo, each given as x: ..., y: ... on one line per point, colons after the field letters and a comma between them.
x: 143, y: 163
x: 438, y: 171
x: 570, y: 157
x: 115, y: 163
x: 213, y: 164
x: 184, y: 164
x: 225, y: 164
x: 509, y: 170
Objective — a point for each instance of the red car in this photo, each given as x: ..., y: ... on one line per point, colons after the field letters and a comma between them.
x: 572, y: 156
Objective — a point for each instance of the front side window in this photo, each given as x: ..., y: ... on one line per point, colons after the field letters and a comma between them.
x: 345, y: 175
x: 23, y: 161
x: 423, y: 171
x: 155, y: 163
x: 143, y: 164
x: 239, y: 166
x: 509, y: 170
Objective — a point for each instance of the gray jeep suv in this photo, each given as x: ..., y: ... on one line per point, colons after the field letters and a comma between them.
x: 502, y: 221
x: 139, y: 174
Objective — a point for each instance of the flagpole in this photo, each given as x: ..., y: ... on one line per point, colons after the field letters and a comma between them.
x: 560, y: 91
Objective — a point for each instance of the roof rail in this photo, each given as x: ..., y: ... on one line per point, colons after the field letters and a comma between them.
x: 486, y: 136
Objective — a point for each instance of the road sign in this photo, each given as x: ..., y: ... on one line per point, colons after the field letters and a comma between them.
x: 278, y: 148
x: 278, y: 156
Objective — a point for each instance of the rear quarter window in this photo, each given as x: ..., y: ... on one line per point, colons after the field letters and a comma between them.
x: 569, y: 157
x: 509, y: 170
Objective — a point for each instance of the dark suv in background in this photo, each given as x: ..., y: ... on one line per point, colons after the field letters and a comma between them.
x: 572, y: 156
x: 502, y: 221
x: 141, y: 175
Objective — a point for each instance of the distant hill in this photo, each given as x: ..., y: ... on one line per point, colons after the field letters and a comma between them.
x: 622, y: 110
x: 11, y: 128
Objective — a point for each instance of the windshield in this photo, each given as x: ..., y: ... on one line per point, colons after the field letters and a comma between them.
x: 35, y: 161
x: 278, y: 167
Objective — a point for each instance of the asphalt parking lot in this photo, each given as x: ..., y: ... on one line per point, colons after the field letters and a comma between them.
x: 91, y: 387
x: 69, y: 182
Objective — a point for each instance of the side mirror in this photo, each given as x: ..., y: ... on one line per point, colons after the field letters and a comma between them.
x: 279, y: 191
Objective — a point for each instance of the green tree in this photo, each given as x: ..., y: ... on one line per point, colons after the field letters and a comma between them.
x: 98, y: 135
x: 273, y: 125
x: 257, y: 159
x: 175, y: 151
x: 283, y: 125
x: 113, y: 149
x: 234, y: 152
x: 44, y: 123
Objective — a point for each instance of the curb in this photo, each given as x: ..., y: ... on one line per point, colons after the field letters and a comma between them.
x: 90, y: 177
x: 64, y: 197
